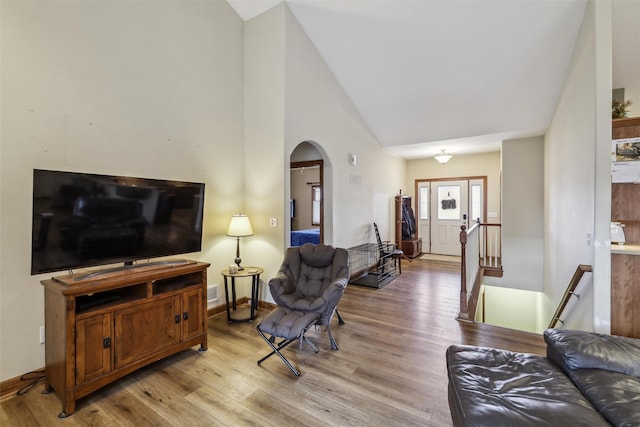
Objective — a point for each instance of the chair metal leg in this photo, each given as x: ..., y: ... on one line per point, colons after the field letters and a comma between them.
x: 285, y: 342
x: 340, y: 319
x: 309, y: 343
x: 334, y: 345
x: 277, y: 351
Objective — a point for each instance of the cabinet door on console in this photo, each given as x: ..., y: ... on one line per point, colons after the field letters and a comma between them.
x: 147, y: 328
x: 93, y: 347
x: 192, y: 316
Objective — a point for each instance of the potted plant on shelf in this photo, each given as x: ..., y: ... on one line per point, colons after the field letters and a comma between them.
x: 619, y: 109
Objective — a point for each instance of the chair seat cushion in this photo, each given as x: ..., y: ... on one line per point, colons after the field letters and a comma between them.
x: 300, y: 302
x: 285, y: 323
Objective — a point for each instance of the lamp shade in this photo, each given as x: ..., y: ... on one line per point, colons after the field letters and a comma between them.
x: 240, y: 226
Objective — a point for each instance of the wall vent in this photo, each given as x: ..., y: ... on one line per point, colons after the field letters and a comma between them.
x: 212, y: 295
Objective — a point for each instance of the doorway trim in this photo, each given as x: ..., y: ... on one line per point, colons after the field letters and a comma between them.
x: 315, y: 163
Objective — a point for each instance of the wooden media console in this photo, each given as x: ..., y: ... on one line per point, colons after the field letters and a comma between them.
x: 102, y: 326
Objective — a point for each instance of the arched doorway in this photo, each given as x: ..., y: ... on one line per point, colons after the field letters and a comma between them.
x: 307, y: 195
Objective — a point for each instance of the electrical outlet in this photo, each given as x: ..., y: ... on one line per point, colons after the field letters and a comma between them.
x: 273, y: 222
x: 41, y: 334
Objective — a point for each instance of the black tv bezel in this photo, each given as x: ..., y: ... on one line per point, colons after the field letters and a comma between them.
x: 126, y: 261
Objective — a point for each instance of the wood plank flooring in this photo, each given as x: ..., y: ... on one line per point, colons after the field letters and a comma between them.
x: 389, y: 371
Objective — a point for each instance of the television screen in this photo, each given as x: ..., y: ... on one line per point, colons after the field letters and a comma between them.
x: 82, y: 219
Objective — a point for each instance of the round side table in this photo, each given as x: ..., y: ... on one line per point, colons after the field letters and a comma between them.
x: 252, y: 272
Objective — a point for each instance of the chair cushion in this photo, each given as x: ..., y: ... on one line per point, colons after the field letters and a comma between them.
x: 317, y: 255
x: 288, y: 324
x: 311, y: 278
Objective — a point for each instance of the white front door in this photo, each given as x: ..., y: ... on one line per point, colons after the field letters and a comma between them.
x: 449, y: 211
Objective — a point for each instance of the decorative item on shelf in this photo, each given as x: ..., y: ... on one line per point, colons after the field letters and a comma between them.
x: 443, y: 158
x: 619, y: 109
x: 240, y: 226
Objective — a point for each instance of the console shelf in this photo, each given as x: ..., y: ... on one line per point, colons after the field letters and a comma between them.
x: 101, y: 327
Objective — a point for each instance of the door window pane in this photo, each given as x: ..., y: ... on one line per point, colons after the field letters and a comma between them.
x: 449, y: 202
x: 316, y: 194
x: 476, y: 203
x: 424, y: 203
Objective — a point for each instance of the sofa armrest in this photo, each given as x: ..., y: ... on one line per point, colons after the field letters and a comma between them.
x: 587, y: 350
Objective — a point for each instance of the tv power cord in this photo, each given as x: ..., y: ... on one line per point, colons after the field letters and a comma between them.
x: 34, y: 378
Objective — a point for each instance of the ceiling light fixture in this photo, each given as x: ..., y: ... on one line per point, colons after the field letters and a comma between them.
x: 443, y: 158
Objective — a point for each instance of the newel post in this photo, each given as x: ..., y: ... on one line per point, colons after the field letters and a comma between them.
x: 464, y: 311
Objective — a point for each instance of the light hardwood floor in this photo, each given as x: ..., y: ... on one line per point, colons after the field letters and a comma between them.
x: 389, y: 371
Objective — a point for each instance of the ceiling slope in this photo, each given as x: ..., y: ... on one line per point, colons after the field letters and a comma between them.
x: 439, y: 73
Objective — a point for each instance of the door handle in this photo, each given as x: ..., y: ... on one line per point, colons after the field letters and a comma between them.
x: 177, y: 318
x: 106, y: 343
x: 185, y: 315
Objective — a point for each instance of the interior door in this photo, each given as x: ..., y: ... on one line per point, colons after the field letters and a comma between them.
x: 424, y: 215
x: 449, y: 211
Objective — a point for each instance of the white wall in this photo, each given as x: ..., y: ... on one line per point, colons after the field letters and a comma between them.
x: 577, y: 177
x: 511, y: 308
x: 625, y: 15
x: 150, y: 89
x: 318, y: 110
x: 292, y: 97
x: 522, y: 214
x: 265, y: 159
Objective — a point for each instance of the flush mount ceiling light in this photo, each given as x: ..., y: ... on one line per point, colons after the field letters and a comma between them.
x: 443, y: 158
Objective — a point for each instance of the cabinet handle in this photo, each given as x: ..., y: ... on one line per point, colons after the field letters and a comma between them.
x: 177, y: 318
x: 106, y: 343
x: 185, y: 315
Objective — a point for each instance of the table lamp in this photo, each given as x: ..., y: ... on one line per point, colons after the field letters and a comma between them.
x: 240, y: 226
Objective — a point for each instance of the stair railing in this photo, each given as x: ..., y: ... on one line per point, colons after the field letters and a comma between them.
x: 582, y: 268
x: 491, y: 245
x: 470, y: 271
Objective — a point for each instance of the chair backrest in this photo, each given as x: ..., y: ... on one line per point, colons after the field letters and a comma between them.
x: 381, y: 246
x: 375, y: 227
x: 311, y: 269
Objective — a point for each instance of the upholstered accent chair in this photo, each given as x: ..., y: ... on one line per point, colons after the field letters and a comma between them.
x: 307, y: 289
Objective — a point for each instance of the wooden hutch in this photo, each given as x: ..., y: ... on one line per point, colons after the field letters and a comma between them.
x: 625, y: 259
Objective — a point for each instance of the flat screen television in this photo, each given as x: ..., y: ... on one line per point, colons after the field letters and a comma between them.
x: 83, y: 220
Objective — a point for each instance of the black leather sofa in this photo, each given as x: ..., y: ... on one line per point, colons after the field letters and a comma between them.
x: 586, y: 379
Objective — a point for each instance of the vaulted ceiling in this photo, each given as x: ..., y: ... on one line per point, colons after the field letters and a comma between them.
x: 430, y: 74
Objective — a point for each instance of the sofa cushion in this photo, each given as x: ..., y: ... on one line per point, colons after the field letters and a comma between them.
x: 616, y: 396
x: 587, y: 350
x: 492, y: 387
